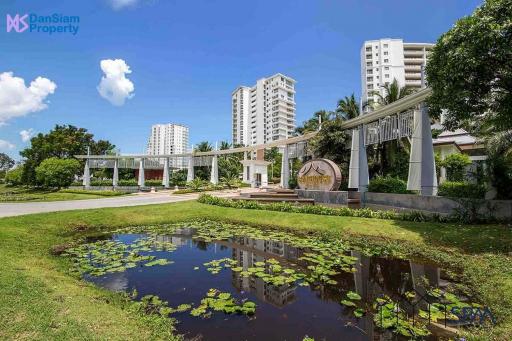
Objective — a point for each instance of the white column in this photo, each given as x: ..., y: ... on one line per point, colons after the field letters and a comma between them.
x: 422, y: 167
x: 141, y: 173
x: 214, y: 175
x: 285, y: 169
x: 115, y: 176
x: 190, y: 173
x: 165, y: 177
x: 87, y: 175
x: 358, y: 168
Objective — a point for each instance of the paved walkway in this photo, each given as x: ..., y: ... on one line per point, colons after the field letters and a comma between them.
x: 16, y: 209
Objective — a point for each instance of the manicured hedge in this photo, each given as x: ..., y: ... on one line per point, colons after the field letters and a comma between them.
x: 387, y: 184
x: 317, y: 209
x: 457, y: 189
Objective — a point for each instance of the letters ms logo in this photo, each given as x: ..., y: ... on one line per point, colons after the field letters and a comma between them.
x: 17, y: 23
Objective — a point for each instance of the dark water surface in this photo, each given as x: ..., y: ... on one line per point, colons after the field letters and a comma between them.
x: 287, y: 312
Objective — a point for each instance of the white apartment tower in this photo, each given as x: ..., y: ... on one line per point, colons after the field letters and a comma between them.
x: 264, y: 112
x: 168, y: 139
x: 387, y: 59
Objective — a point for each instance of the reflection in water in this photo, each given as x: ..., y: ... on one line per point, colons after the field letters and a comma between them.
x: 286, y: 312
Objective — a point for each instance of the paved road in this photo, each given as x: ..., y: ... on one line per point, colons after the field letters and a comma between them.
x: 16, y: 209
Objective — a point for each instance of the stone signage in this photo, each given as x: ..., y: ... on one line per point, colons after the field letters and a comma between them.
x: 320, y: 175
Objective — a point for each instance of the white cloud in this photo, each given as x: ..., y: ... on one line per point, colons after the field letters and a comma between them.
x: 6, y: 145
x: 120, y: 4
x: 26, y: 134
x: 114, y: 86
x: 17, y: 100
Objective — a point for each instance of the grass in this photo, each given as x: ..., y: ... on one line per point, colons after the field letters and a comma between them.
x: 24, y: 194
x: 41, y: 300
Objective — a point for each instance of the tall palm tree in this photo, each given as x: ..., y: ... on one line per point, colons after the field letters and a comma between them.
x: 313, y: 123
x: 347, y: 108
x: 225, y: 145
x: 203, y: 146
x: 392, y: 93
x: 391, y: 154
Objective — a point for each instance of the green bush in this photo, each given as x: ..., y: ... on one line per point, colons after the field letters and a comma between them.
x: 55, y: 172
x: 387, y: 184
x: 455, y: 165
x: 14, y: 177
x: 130, y: 182
x: 461, y: 190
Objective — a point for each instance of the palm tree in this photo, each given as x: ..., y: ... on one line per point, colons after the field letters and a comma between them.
x: 225, y: 145
x: 347, y: 108
x: 392, y: 93
x: 391, y: 153
x: 313, y: 123
x: 203, y: 146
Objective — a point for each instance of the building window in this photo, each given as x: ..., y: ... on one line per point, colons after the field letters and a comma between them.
x: 386, y: 68
x: 386, y: 60
x: 385, y: 53
x: 385, y: 45
x: 386, y: 75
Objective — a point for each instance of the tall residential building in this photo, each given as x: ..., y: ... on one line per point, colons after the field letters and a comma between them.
x: 384, y: 60
x: 264, y: 112
x: 169, y: 139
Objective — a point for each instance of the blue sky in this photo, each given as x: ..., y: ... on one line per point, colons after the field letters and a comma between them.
x: 186, y: 57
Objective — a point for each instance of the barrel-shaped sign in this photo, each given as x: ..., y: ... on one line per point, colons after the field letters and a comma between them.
x: 320, y: 175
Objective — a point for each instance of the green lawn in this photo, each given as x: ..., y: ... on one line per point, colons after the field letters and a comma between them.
x: 23, y: 194
x: 41, y: 300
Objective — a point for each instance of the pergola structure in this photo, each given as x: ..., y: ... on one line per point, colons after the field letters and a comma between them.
x: 407, y: 117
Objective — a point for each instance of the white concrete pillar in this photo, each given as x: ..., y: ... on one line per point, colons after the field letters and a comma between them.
x: 422, y: 167
x: 285, y: 169
x: 86, y: 181
x: 141, y: 181
x: 358, y: 169
x: 165, y: 177
x: 214, y: 175
x: 190, y: 172
x: 115, y: 176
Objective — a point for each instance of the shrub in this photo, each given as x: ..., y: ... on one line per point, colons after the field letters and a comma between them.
x: 461, y: 190
x: 387, y: 184
x: 455, y: 165
x: 130, y: 182
x: 14, y: 177
x: 55, y: 172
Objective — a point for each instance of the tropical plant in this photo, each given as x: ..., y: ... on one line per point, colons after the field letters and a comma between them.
x: 387, y: 184
x: 14, y: 177
x: 455, y: 165
x: 392, y: 93
x: 347, y: 108
x: 63, y: 142
x: 203, y: 146
x: 57, y: 173
x: 230, y: 181
x: 459, y: 189
x: 196, y: 184
x: 314, y: 122
x: 470, y: 69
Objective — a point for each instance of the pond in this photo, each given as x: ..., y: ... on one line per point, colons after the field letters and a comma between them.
x: 228, y: 282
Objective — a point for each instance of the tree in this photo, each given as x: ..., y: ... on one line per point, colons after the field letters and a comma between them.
x: 392, y: 93
x: 6, y: 163
x: 313, y: 123
x: 347, y: 108
x: 14, y: 176
x: 332, y: 142
x: 470, y: 69
x: 455, y: 165
x: 63, y: 142
x: 55, y: 172
x: 203, y: 146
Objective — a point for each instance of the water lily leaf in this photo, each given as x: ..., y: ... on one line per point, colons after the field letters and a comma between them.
x: 348, y: 303
x: 353, y: 296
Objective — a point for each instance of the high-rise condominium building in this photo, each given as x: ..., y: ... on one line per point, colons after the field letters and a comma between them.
x: 168, y: 139
x: 384, y: 60
x: 264, y: 112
